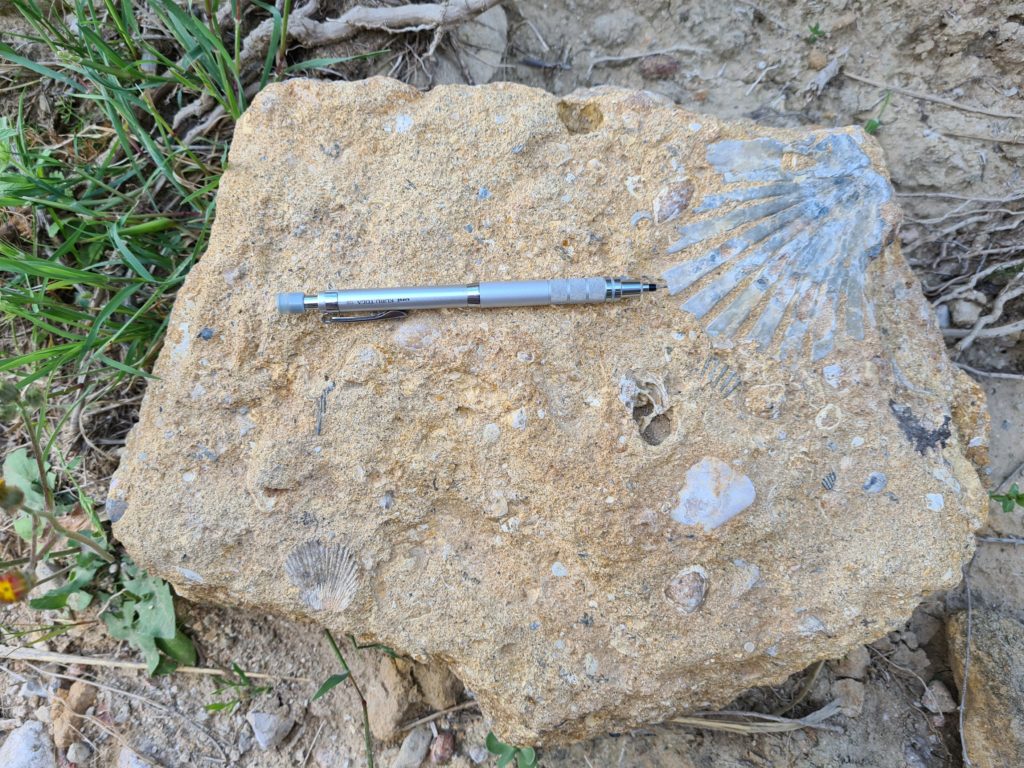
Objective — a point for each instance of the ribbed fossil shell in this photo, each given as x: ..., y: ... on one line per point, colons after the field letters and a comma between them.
x: 327, y: 576
x: 802, y: 223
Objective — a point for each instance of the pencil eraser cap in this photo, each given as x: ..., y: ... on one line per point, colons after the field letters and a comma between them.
x: 290, y: 303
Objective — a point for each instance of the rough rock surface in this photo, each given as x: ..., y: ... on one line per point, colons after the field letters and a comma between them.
x: 599, y: 515
x: 28, y: 746
x: 994, y: 714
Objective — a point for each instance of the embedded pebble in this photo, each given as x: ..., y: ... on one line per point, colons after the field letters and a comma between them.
x: 519, y: 419
x: 491, y: 434
x: 688, y: 589
x: 876, y: 482
x: 935, y: 501
x: 714, y: 493
x: 557, y: 569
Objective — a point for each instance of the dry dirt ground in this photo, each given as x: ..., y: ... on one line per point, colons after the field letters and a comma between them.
x: 953, y: 72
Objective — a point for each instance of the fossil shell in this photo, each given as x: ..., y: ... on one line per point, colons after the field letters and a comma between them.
x: 326, y: 576
x: 801, y: 222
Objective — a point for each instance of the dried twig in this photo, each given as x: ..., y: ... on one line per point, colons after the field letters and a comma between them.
x: 758, y: 722
x: 1017, y: 540
x: 992, y: 374
x: 12, y: 653
x: 643, y: 55
x: 967, y: 666
x: 934, y: 99
x: 804, y: 691
x: 438, y: 715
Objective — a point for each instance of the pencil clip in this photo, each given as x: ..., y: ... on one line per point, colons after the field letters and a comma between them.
x: 387, y: 314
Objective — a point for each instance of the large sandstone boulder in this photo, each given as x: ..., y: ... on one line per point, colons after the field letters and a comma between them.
x: 597, y: 515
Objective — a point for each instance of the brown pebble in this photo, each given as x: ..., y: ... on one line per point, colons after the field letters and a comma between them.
x: 443, y: 748
x: 817, y: 59
x: 658, y: 67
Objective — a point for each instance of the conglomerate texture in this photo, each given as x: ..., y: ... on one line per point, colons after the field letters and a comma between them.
x: 596, y: 515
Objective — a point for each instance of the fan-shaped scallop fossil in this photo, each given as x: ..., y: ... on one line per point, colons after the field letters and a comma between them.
x: 327, y: 576
x: 802, y: 223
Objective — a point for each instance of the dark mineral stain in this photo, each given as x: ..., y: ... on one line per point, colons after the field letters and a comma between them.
x: 921, y: 436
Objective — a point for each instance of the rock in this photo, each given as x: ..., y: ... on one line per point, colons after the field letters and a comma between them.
x: 965, y: 311
x: 850, y: 694
x: 32, y: 689
x: 438, y: 686
x: 127, y: 758
x: 478, y: 754
x: 854, y: 664
x: 994, y: 709
x: 442, y: 748
x: 268, y: 728
x: 78, y: 753
x: 390, y: 692
x: 816, y: 59
x: 414, y: 748
x: 66, y: 709
x: 659, y: 67
x: 938, y: 699
x: 916, y: 661
x: 43, y: 714
x: 28, y: 746
x: 585, y: 568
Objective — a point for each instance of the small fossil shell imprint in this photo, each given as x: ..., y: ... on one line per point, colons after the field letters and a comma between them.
x: 688, y: 588
x: 326, y: 576
x: 829, y: 481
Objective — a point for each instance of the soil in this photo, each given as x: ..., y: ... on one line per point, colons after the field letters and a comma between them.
x: 956, y: 167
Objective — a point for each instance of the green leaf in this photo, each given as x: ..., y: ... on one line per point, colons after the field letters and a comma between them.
x: 220, y: 706
x: 494, y: 745
x: 505, y: 759
x: 331, y: 61
x: 155, y: 608
x: 150, y: 653
x: 165, y: 665
x: 79, y: 600
x: 329, y: 685
x: 21, y: 471
x: 23, y: 526
x: 180, y: 648
x: 527, y: 758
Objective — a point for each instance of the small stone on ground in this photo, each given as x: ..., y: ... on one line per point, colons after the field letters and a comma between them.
x: 28, y: 747
x: 414, y: 748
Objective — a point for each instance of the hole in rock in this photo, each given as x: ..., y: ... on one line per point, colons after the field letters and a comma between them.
x: 654, y: 427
